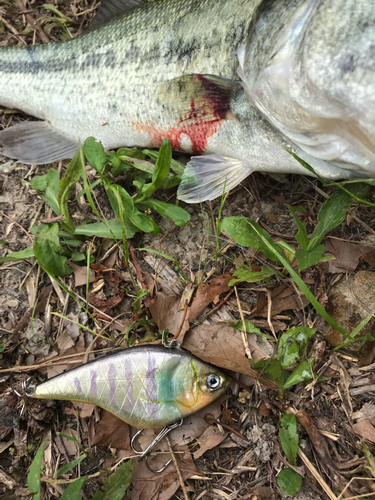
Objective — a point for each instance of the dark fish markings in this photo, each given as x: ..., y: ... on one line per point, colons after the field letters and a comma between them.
x: 112, y: 383
x: 77, y: 383
x: 93, y: 385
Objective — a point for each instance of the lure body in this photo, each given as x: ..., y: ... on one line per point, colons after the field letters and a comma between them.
x: 146, y: 386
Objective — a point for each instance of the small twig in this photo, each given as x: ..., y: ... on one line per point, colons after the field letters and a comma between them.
x: 33, y: 22
x: 317, y: 476
x: 12, y: 30
x: 182, y: 322
x: 225, y: 299
x: 269, y: 309
x: 19, y: 225
x: 182, y: 484
x: 243, y: 331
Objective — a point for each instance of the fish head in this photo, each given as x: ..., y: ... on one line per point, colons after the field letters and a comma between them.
x: 203, y: 385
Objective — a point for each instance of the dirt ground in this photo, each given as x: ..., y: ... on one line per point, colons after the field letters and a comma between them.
x: 230, y: 449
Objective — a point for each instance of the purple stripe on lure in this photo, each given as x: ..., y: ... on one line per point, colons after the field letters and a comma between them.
x: 112, y: 383
x: 77, y: 383
x: 151, y: 389
x: 93, y: 386
x: 129, y: 399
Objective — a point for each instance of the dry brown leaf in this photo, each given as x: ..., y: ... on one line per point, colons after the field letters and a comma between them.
x: 347, y: 255
x: 111, y: 431
x: 80, y: 274
x: 166, y: 315
x: 64, y: 342
x: 208, y: 293
x: 283, y: 298
x: 146, y: 485
x: 368, y: 412
x: 82, y: 410
x: 211, y: 437
x: 365, y: 429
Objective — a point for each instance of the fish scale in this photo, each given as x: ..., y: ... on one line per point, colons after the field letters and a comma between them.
x: 170, y: 68
x: 146, y: 386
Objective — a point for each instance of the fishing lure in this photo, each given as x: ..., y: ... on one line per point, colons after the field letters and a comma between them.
x: 146, y: 386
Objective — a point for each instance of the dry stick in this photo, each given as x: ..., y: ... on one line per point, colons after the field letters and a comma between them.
x: 269, y: 308
x: 12, y: 30
x: 33, y: 22
x: 317, y: 476
x: 19, y: 225
x: 243, y: 331
x: 182, y: 484
x: 182, y: 322
x: 225, y: 299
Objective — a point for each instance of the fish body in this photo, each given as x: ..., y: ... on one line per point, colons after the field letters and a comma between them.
x: 146, y: 386
x: 168, y: 69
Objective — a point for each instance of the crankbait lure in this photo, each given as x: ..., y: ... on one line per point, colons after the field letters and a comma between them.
x: 146, y: 386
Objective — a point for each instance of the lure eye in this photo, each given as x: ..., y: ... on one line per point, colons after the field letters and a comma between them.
x: 213, y: 381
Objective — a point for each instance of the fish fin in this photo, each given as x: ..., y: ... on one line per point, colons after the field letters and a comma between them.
x: 111, y: 8
x: 207, y: 177
x: 194, y: 98
x: 36, y: 143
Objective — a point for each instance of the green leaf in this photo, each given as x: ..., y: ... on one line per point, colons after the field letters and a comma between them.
x: 301, y: 235
x: 247, y: 274
x: 272, y: 367
x: 137, y: 303
x: 293, y: 344
x: 115, y: 191
x: 73, y: 491
x: 72, y: 175
x: 95, y: 155
x: 162, y: 167
x: 33, y: 478
x: 142, y: 221
x: 109, y: 229
x: 250, y: 328
x: 49, y: 183
x: 67, y: 467
x: 177, y: 167
x: 16, y: 256
x: 171, y: 212
x: 115, y: 486
x: 244, y: 234
x: 124, y: 153
x: 301, y: 373
x: 289, y: 481
x: 289, y: 437
x: 333, y: 211
x: 309, y: 258
x: 99, y: 495
x: 47, y: 249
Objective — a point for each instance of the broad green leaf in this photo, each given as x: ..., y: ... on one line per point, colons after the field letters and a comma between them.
x: 16, y: 256
x: 272, y: 367
x: 72, y: 175
x: 289, y: 437
x: 115, y: 191
x: 99, y: 495
x: 301, y: 373
x: 171, y: 212
x: 47, y: 186
x: 69, y: 466
x: 109, y: 229
x: 124, y: 153
x: 33, y: 477
x: 115, y: 485
x: 293, y: 344
x: 73, y: 491
x: 137, y: 303
x: 309, y: 258
x: 94, y: 154
x: 250, y: 328
x: 247, y: 274
x: 301, y: 235
x: 333, y: 211
x: 48, y: 250
x: 289, y: 481
x: 162, y: 167
x: 142, y: 221
x: 177, y: 167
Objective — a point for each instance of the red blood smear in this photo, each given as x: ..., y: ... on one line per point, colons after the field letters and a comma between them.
x: 199, y: 123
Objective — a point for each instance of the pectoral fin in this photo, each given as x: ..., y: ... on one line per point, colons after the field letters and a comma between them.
x: 36, y: 143
x: 207, y: 177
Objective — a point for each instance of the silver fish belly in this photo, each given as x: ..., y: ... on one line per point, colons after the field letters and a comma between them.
x: 168, y: 70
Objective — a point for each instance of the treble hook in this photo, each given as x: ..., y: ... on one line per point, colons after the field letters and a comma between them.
x: 145, y: 453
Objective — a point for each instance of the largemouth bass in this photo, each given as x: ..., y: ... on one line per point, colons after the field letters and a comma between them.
x: 168, y: 69
x: 146, y: 386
